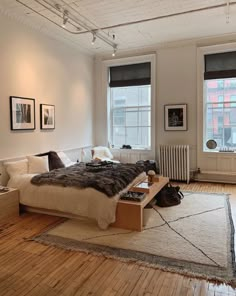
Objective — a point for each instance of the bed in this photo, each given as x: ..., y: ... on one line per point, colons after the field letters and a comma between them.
x: 84, y: 202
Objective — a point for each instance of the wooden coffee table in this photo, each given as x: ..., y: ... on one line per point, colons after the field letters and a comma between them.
x: 129, y: 214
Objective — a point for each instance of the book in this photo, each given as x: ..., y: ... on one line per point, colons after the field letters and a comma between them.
x: 142, y: 187
x: 133, y: 196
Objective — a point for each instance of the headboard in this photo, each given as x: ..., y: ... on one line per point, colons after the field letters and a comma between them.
x: 75, y: 154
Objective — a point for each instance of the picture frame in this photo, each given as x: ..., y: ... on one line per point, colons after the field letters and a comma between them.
x: 22, y: 113
x: 175, y: 117
x: 47, y: 116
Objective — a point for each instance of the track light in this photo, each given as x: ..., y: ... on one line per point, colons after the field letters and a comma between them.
x: 94, y: 38
x: 65, y: 18
x: 114, y: 51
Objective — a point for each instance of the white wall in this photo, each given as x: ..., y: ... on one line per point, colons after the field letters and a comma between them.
x: 34, y: 66
x: 175, y: 84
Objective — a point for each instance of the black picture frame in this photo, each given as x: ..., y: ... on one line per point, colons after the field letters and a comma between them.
x: 22, y: 113
x: 175, y: 117
x: 47, y: 117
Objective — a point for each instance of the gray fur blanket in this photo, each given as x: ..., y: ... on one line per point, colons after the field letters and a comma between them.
x: 108, y: 179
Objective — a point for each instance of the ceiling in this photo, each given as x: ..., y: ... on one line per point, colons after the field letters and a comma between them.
x: 127, y: 24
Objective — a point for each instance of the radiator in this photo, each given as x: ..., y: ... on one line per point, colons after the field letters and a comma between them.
x: 174, y: 162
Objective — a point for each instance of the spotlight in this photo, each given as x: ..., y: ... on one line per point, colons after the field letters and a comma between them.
x: 65, y: 18
x: 94, y: 38
x: 114, y: 51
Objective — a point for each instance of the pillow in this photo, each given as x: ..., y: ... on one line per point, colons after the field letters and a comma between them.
x: 65, y: 159
x: 102, y: 153
x: 19, y: 167
x: 86, y: 155
x: 37, y: 165
x: 54, y: 160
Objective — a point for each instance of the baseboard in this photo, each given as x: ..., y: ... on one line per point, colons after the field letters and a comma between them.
x: 216, y: 177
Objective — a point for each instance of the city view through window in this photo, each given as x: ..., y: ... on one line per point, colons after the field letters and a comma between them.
x: 220, y: 116
x: 130, y: 116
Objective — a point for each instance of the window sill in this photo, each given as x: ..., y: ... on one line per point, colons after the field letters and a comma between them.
x: 133, y: 149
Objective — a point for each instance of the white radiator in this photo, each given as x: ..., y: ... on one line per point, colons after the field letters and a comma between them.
x: 174, y: 162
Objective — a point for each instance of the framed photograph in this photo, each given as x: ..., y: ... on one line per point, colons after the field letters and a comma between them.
x: 47, y: 116
x: 22, y: 113
x: 176, y: 117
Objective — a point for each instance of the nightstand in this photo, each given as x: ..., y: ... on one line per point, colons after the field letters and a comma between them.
x: 9, y: 204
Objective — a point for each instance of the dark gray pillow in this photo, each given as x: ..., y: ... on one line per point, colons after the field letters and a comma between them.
x: 54, y: 161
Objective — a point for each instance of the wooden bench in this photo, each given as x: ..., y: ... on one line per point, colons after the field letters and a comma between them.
x: 129, y: 214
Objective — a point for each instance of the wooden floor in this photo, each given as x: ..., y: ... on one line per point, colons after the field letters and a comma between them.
x: 29, y: 268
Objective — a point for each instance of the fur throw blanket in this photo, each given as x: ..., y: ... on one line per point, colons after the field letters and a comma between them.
x: 110, y: 179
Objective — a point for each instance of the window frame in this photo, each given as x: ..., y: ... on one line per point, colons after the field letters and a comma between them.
x: 105, y: 79
x: 201, y: 52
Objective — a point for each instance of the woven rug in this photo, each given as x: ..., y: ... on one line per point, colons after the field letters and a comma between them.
x: 195, y: 238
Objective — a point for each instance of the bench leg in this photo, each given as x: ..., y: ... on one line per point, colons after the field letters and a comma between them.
x: 129, y: 216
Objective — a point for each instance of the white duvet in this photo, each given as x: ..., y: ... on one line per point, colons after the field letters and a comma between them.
x: 83, y: 202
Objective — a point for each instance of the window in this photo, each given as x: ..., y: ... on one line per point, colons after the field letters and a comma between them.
x: 220, y: 107
x: 131, y: 116
x: 129, y: 104
x: 220, y: 100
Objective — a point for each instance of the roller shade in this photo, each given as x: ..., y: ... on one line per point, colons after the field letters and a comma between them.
x: 220, y: 65
x: 130, y: 75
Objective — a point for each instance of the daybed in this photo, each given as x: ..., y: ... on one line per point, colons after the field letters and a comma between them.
x: 86, y: 202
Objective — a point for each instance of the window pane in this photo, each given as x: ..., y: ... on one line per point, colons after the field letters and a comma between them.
x: 132, y: 117
x: 145, y: 96
x: 119, y: 117
x: 145, y: 117
x: 118, y: 136
x: 132, y: 136
x: 145, y: 136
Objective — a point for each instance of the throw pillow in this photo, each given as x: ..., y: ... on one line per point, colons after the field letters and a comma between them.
x: 38, y: 165
x: 19, y: 167
x: 54, y: 160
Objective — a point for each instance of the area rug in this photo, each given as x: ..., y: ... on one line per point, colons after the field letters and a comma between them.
x: 195, y: 238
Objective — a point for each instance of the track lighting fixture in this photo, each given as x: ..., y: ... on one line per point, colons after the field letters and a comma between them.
x: 114, y: 51
x: 94, y: 38
x: 79, y: 24
x: 65, y: 18
x: 227, y: 11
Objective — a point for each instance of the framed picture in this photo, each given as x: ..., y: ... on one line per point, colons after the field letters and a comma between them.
x: 47, y: 116
x: 22, y: 113
x: 176, y: 117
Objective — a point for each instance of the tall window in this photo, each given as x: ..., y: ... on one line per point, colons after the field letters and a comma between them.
x: 220, y: 100
x: 130, y: 106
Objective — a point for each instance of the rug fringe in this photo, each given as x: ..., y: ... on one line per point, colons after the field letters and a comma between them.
x: 213, y: 279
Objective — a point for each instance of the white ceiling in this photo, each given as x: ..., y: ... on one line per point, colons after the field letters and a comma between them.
x: 135, y: 23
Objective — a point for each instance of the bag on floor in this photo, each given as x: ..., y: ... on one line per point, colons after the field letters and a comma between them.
x: 169, y: 196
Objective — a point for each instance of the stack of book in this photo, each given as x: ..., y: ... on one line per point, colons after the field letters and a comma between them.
x: 133, y: 196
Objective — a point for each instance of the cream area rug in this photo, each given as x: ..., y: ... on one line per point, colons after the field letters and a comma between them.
x: 195, y: 238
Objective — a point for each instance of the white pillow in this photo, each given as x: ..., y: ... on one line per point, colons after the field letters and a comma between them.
x: 65, y: 159
x: 37, y: 165
x: 102, y: 153
x: 19, y: 167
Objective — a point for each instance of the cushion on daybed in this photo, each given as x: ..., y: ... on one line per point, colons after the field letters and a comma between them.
x: 19, y: 167
x: 37, y: 165
x: 54, y: 161
x: 65, y: 159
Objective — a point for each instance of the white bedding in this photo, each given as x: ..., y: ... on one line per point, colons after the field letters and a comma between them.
x: 83, y: 202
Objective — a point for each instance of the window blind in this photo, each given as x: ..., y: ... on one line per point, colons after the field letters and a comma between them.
x: 130, y: 75
x: 220, y: 65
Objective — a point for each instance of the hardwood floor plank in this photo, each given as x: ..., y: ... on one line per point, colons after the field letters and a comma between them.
x: 30, y: 268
